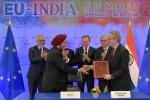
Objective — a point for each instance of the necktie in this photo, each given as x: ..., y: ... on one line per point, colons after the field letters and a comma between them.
x: 113, y: 51
x: 41, y: 50
x: 86, y: 51
x: 104, y: 51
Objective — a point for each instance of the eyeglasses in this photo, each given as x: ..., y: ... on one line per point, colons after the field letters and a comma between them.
x: 41, y: 40
x: 112, y: 38
x: 103, y: 40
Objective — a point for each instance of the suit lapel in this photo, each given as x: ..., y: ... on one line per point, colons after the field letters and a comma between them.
x: 116, y: 53
x: 100, y: 52
x: 109, y: 50
x: 45, y: 49
x: 82, y: 50
x: 108, y: 53
x: 36, y: 47
x: 89, y: 52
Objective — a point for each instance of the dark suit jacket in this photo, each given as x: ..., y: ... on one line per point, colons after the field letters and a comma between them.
x: 37, y: 64
x: 71, y: 56
x: 71, y: 63
x: 98, y: 57
x: 119, y: 70
x: 56, y: 71
x: 99, y: 51
x: 80, y: 62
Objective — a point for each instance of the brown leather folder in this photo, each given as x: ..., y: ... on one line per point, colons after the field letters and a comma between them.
x: 101, y: 68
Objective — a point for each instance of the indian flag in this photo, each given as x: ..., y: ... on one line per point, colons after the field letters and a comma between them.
x: 133, y: 68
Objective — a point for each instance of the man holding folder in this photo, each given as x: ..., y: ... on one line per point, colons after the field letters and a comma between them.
x: 102, y: 54
x: 119, y: 76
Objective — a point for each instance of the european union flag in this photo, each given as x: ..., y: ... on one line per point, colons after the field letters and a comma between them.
x: 11, y: 82
x: 144, y: 81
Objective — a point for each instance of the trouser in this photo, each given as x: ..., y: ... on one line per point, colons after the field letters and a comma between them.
x: 69, y: 83
x: 102, y: 83
x: 89, y: 82
x: 34, y: 85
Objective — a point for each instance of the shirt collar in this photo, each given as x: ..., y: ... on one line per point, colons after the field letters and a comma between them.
x: 106, y: 48
x: 116, y: 46
x: 40, y: 47
x: 86, y: 48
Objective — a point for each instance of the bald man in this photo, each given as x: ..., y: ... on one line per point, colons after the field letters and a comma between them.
x: 37, y: 57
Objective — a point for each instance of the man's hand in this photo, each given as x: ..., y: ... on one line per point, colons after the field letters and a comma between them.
x: 87, y: 67
x: 65, y: 53
x: 44, y: 54
x: 91, y: 67
x: 65, y: 58
x: 108, y: 77
x: 86, y: 57
x: 82, y: 70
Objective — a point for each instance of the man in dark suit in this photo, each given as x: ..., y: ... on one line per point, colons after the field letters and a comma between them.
x: 69, y: 58
x: 119, y: 72
x: 37, y: 57
x: 85, y: 56
x: 102, y: 54
x: 54, y: 79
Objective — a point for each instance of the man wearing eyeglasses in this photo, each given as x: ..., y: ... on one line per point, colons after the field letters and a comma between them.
x: 119, y: 76
x: 102, y: 54
x: 37, y: 57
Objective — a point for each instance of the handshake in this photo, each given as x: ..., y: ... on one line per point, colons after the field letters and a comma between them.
x: 85, y: 69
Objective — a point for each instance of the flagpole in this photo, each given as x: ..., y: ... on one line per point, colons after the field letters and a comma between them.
x: 9, y: 21
x: 129, y: 23
x: 149, y: 21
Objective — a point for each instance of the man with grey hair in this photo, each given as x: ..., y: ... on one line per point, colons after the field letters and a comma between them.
x: 37, y: 57
x: 119, y: 76
x: 102, y: 54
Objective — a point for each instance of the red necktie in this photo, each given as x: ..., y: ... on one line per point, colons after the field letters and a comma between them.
x: 113, y: 52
